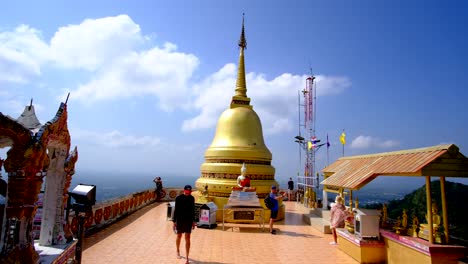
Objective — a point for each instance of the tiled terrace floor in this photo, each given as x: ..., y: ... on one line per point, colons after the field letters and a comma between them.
x: 146, y: 237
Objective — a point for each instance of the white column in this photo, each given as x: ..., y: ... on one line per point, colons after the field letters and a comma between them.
x: 51, y: 227
x: 325, y: 199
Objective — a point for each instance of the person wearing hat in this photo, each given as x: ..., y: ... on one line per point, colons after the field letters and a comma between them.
x: 184, y: 219
x: 274, y: 208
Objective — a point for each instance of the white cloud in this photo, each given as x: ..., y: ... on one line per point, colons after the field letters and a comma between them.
x: 21, y: 53
x: 109, y: 48
x: 365, y: 142
x: 331, y: 84
x: 275, y: 101
x: 95, y: 42
x: 161, y: 72
x: 212, y: 96
x: 115, y: 139
x: 11, y: 107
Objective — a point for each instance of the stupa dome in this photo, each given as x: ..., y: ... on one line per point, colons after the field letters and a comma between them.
x: 239, y: 135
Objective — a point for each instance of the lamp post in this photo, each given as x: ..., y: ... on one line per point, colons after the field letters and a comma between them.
x: 85, y: 197
x: 300, y: 181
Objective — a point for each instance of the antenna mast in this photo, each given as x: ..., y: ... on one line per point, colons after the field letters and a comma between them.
x: 307, y: 183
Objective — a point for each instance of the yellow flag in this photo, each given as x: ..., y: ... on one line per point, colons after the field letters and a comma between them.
x: 343, y: 138
x: 309, y: 145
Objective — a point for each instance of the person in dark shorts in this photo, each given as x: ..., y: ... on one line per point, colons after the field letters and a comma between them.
x: 290, y: 188
x: 184, y: 219
x: 274, y: 209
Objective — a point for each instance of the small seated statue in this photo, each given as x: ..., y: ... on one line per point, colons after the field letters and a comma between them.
x: 243, y: 181
x: 204, y: 192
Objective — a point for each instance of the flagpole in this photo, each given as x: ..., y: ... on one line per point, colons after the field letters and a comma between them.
x: 328, y: 157
x: 343, y: 139
x: 328, y: 148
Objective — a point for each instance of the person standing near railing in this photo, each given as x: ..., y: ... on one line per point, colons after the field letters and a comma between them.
x: 159, y: 188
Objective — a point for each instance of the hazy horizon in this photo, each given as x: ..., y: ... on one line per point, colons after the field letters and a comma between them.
x: 109, y: 183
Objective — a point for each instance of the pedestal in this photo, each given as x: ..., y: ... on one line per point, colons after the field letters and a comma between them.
x: 362, y: 250
x: 406, y: 249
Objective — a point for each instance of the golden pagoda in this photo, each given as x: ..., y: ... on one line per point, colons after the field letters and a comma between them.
x: 238, y: 140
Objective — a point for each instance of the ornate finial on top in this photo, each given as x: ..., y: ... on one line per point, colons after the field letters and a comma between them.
x: 66, y: 101
x: 240, y: 98
x: 242, y: 40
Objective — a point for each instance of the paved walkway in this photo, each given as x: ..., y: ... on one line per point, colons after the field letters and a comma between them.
x: 147, y: 237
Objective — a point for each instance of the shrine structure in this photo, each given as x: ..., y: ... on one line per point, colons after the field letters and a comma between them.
x: 400, y: 244
x: 36, y: 152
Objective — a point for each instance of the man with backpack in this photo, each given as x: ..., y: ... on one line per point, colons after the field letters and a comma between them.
x: 273, y: 205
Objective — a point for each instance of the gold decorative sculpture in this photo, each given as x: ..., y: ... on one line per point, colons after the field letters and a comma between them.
x: 36, y: 150
x: 413, y: 231
x: 404, y: 221
x: 397, y: 226
x: 401, y: 226
x: 436, y: 226
x: 384, y: 217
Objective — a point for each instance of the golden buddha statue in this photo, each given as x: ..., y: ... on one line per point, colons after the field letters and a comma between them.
x: 436, y: 221
x: 384, y: 217
x: 413, y: 231
x: 404, y: 221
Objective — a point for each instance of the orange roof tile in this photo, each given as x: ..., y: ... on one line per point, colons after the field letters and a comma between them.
x: 356, y: 171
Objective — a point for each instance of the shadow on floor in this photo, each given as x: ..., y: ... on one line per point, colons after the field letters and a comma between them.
x: 294, y: 234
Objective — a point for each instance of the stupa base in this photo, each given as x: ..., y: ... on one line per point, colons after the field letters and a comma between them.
x: 222, y: 201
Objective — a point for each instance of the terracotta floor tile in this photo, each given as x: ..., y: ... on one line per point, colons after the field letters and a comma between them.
x: 147, y: 237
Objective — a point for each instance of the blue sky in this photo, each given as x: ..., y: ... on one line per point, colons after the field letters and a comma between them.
x: 149, y: 79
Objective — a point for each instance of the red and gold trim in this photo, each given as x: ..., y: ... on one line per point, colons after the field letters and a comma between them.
x: 98, y: 216
x: 107, y: 212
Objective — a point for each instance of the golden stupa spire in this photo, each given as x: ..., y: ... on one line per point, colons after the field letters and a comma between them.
x: 240, y: 98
